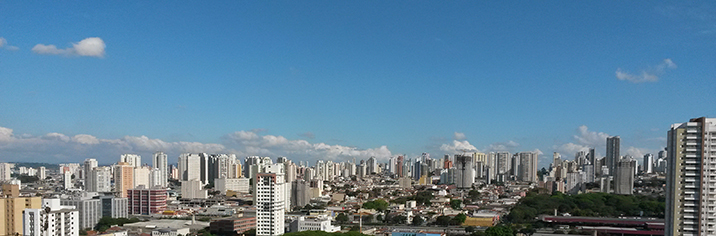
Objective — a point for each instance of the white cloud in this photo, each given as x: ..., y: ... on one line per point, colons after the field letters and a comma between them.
x: 637, y: 152
x: 458, y: 147
x: 503, y: 146
x: 647, y: 75
x: 3, y: 44
x: 91, y: 47
x: 85, y: 139
x: 590, y: 138
x: 459, y: 136
x: 250, y: 143
x: 539, y: 152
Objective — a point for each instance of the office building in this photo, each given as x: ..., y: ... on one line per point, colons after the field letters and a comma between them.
x: 613, y: 146
x: 232, y: 225
x: 115, y: 207
x: 141, y: 176
x: 52, y: 219
x: 159, y: 161
x: 145, y: 201
x: 11, y: 208
x: 269, y: 201
x: 690, y: 201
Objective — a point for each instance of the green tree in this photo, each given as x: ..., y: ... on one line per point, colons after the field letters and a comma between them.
x: 443, y: 220
x: 473, y: 195
x: 417, y: 221
x: 470, y: 229
x: 458, y: 219
x: 342, y: 218
x: 500, y: 230
x: 456, y: 204
x: 378, y: 204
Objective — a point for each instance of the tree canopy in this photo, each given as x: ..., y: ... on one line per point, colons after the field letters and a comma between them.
x: 588, y: 204
x: 378, y: 204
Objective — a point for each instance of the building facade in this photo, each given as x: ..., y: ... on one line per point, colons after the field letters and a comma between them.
x: 269, y: 201
x: 145, y: 201
x: 52, y: 219
x: 691, y: 178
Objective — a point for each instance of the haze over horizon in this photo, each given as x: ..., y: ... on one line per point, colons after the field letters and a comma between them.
x: 338, y: 80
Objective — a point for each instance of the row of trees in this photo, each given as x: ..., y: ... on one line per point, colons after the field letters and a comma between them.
x: 588, y: 204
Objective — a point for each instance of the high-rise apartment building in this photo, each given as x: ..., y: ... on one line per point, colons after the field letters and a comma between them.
x: 51, y: 219
x: 269, y: 200
x: 123, y: 178
x: 648, y: 163
x: 115, y: 207
x: 691, y: 178
x: 133, y: 160
x: 624, y: 176
x: 99, y: 179
x: 88, y: 166
x: 189, y: 166
x: 5, y: 171
x: 464, y: 171
x: 528, y: 165
x: 11, y: 208
x: 89, y: 210
x: 613, y: 146
x: 159, y: 161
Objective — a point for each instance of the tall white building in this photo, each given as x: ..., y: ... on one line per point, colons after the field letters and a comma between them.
x: 133, y: 160
x: 269, y: 195
x: 648, y: 163
x: 189, y: 167
x: 67, y: 180
x: 52, y: 220
x: 141, y: 176
x: 159, y: 161
x: 89, y: 164
x: 99, y: 180
x: 193, y: 189
x: 90, y: 210
x: 42, y: 173
x: 5, y: 171
x: 691, y: 178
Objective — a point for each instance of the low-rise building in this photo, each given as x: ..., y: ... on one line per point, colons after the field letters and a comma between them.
x: 313, y: 223
x: 233, y: 224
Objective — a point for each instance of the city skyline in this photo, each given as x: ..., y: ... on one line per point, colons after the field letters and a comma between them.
x: 338, y: 81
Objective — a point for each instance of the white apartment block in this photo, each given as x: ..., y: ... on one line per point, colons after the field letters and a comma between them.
x: 133, y: 160
x: 691, y: 178
x: 193, y: 189
x: 314, y: 223
x: 90, y: 210
x: 269, y: 194
x: 99, y: 179
x: 240, y: 185
x: 159, y: 161
x: 52, y: 220
x: 5, y: 171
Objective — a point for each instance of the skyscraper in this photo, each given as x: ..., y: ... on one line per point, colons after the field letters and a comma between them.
x: 159, y: 161
x: 269, y: 199
x: 624, y: 176
x: 690, y: 205
x: 89, y: 164
x: 613, y: 144
x: 464, y: 171
x: 528, y: 165
x: 189, y: 166
x: 648, y: 163
x: 133, y: 160
x: 123, y: 178
x: 99, y: 180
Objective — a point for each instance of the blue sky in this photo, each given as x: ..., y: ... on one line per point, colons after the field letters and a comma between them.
x: 335, y: 80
